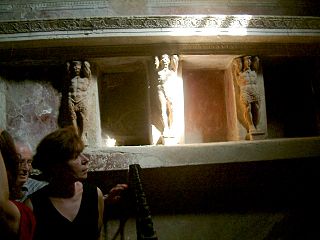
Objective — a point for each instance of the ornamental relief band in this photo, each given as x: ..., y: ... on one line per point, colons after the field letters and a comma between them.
x: 158, y: 22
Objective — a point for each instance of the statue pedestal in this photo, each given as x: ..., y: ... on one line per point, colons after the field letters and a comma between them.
x: 258, y: 135
x: 170, y: 140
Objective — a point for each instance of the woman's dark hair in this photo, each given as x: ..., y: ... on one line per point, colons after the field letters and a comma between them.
x: 10, y: 157
x: 57, y: 147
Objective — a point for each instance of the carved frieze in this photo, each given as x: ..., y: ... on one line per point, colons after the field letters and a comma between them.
x: 311, y: 24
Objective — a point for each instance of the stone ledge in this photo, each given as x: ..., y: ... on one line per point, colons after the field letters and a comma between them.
x: 119, y: 158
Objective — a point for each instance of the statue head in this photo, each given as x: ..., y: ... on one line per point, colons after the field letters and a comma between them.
x: 165, y: 60
x: 246, y: 62
x: 76, y: 67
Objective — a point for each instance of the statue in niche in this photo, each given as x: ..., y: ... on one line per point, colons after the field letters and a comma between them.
x: 166, y: 68
x: 74, y: 102
x: 245, y: 70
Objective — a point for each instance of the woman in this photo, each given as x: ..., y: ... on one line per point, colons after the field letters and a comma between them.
x: 16, y: 219
x: 67, y: 208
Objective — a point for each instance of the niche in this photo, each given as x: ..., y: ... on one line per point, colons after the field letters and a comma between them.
x: 124, y: 101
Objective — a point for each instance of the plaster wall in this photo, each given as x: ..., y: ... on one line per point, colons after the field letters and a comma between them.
x: 205, y: 106
x: 30, y: 106
x: 231, y: 106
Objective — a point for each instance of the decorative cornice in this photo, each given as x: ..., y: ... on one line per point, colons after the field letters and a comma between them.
x: 119, y: 36
x: 152, y: 23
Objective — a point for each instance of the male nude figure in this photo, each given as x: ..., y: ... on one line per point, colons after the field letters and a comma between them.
x: 167, y: 72
x: 250, y: 98
x: 74, y: 101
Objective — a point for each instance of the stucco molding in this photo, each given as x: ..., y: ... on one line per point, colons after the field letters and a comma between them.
x: 152, y: 23
x: 58, y: 55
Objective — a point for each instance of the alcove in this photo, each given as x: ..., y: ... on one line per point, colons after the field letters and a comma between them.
x: 127, y: 100
x: 124, y: 100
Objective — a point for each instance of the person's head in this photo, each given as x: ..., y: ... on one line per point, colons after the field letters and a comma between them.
x: 59, y: 157
x: 10, y: 158
x: 25, y: 162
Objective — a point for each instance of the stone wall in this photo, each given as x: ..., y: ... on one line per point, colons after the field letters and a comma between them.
x: 253, y: 200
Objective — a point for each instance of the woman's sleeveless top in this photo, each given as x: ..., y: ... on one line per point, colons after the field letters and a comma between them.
x: 27, y: 222
x: 51, y: 225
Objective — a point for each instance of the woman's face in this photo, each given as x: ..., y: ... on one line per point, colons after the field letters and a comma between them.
x: 78, y: 167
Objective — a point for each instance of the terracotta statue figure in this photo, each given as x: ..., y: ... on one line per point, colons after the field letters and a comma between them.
x: 74, y: 102
x: 167, y: 72
x: 245, y: 70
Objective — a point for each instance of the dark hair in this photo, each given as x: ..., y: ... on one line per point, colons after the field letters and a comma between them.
x: 57, y: 147
x: 10, y: 157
